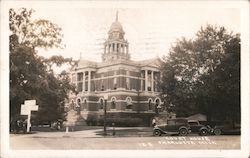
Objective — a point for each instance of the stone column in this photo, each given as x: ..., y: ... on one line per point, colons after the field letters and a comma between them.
x: 76, y: 81
x: 127, y: 49
x: 152, y: 81
x: 141, y: 87
x: 105, y: 48
x: 114, y: 47
x: 89, y: 82
x: 123, y: 49
x: 146, y: 80
x: 83, y: 82
x: 119, y: 48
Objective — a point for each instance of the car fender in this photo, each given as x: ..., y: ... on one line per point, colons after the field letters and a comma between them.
x: 183, y: 127
x: 203, y: 128
x: 157, y: 128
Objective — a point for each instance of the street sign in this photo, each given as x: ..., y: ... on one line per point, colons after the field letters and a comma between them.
x: 30, y: 102
x: 34, y: 108
x: 26, y: 108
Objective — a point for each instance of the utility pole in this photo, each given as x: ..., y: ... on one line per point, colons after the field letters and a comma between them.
x: 105, y: 114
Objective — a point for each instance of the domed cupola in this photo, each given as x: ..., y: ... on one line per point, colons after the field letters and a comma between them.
x: 115, y: 47
x: 116, y: 30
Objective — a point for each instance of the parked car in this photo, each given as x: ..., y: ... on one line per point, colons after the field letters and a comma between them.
x: 197, y: 127
x: 178, y: 126
x: 227, y: 129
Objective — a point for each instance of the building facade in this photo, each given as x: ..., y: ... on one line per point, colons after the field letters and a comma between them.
x: 131, y: 86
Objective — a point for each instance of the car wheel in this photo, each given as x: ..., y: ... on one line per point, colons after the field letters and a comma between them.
x: 183, y: 132
x: 217, y: 132
x: 157, y: 133
x: 203, y: 132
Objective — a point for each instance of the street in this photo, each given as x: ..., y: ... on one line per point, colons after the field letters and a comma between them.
x: 89, y: 139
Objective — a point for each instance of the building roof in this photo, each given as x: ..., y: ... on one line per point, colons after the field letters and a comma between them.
x: 87, y: 63
x: 116, y: 26
x: 154, y: 62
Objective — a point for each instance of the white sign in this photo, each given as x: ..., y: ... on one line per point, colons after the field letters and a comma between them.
x: 30, y: 102
x: 34, y: 108
x: 26, y: 108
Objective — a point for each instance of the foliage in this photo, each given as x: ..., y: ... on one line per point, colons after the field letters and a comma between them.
x: 37, y: 33
x: 30, y: 76
x: 202, y: 75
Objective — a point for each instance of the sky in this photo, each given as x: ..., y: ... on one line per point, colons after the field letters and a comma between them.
x: 150, y: 31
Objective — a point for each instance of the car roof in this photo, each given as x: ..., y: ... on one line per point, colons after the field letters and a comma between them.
x: 178, y: 119
x: 193, y: 121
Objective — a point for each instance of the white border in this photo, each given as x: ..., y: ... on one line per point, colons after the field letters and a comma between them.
x: 244, y: 152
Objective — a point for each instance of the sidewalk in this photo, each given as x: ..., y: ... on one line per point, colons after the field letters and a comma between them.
x: 93, y: 133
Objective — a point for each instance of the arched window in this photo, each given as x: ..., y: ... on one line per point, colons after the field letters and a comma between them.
x: 157, y: 102
x: 78, y: 103
x: 115, y: 83
x: 150, y: 104
x: 101, y: 104
x: 102, y: 86
x: 113, y: 103
x: 85, y: 104
x: 157, y: 105
x: 129, y: 103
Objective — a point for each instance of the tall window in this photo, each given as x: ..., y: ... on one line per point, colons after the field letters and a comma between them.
x: 101, y: 104
x: 113, y: 104
x: 127, y: 83
x: 102, y: 86
x: 129, y: 103
x: 150, y: 104
x: 78, y: 104
x: 85, y: 104
x: 115, y: 83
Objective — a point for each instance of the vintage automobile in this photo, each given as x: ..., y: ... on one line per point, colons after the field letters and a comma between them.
x: 197, y: 127
x: 227, y: 129
x: 178, y: 126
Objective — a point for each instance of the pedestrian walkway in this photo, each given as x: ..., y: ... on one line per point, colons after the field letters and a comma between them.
x: 93, y: 133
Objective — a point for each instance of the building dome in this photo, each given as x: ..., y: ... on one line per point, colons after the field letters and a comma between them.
x: 115, y: 47
x: 116, y: 27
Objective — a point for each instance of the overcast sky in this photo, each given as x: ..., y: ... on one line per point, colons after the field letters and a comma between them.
x: 149, y: 31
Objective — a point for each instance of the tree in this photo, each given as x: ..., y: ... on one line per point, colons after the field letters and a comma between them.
x: 37, y: 33
x: 202, y: 74
x: 31, y: 76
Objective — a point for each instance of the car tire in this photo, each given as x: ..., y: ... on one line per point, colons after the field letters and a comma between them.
x: 203, y: 132
x: 157, y: 133
x: 217, y: 132
x: 183, y: 132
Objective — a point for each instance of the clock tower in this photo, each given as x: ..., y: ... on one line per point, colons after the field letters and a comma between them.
x: 115, y: 47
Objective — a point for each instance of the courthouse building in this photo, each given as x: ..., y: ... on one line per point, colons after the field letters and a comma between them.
x: 131, y: 86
